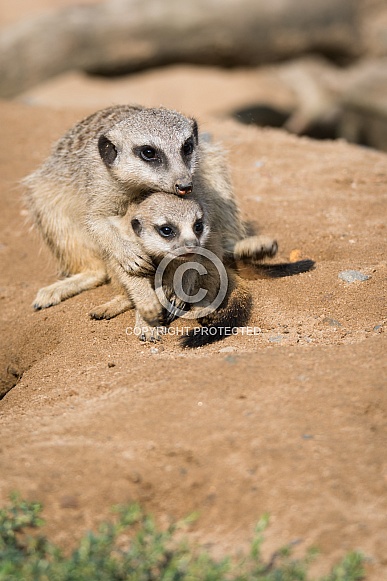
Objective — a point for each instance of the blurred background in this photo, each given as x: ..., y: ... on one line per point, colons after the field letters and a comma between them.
x: 314, y: 68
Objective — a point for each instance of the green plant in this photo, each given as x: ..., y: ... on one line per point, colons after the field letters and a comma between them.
x: 134, y: 549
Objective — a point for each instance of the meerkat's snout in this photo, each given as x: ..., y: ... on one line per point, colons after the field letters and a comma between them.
x: 183, y: 188
x: 190, y: 246
x: 192, y: 243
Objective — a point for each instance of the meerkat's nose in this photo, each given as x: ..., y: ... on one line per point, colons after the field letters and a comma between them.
x: 190, y: 244
x: 183, y: 188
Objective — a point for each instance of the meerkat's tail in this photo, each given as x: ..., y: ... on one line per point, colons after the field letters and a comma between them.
x: 233, y: 313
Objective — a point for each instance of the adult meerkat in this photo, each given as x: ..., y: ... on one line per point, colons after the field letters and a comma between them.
x: 176, y: 233
x: 109, y: 160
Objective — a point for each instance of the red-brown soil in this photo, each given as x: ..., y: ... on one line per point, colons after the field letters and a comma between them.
x: 290, y: 421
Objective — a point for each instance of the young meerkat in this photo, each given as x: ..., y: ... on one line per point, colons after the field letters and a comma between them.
x: 176, y: 235
x: 106, y: 162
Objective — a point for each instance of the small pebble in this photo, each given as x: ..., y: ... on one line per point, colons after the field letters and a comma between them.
x: 155, y: 350
x: 276, y: 339
x: 227, y: 350
x: 259, y: 163
x: 69, y: 501
x: 111, y: 364
x: 295, y: 255
x: 331, y: 322
x: 352, y: 275
x: 135, y: 477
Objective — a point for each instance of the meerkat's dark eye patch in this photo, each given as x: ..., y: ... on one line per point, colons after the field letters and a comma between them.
x: 136, y: 225
x: 166, y: 231
x: 198, y: 227
x: 188, y: 147
x: 107, y: 150
x: 148, y: 153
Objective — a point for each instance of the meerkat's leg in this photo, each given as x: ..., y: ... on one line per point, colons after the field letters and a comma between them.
x: 255, y: 248
x: 144, y: 298
x: 140, y: 295
x: 57, y: 214
x: 120, y: 304
x: 64, y: 289
x: 149, y: 312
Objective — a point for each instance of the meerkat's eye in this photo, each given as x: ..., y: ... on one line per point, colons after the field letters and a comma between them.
x: 188, y: 147
x: 166, y: 231
x: 198, y: 227
x: 148, y: 153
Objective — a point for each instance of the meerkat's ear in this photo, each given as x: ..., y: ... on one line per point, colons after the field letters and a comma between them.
x: 136, y: 225
x: 107, y: 150
x: 195, y: 131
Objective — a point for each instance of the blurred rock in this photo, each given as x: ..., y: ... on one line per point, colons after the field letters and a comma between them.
x: 120, y: 36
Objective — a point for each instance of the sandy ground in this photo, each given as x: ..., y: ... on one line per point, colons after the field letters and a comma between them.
x: 290, y: 420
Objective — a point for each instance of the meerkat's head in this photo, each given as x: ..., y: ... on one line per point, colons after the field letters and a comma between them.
x: 152, y: 150
x: 170, y: 226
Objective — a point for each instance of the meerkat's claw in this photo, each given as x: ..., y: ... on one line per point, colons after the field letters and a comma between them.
x: 176, y: 306
x: 140, y: 266
x: 151, y: 334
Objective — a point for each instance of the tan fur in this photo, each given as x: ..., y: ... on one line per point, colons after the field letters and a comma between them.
x: 96, y: 170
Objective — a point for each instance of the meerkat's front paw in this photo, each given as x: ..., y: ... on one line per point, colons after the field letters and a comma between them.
x: 135, y: 264
x: 255, y: 248
x: 68, y: 287
x: 152, y: 315
x: 48, y: 297
x: 148, y: 332
x: 151, y: 334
